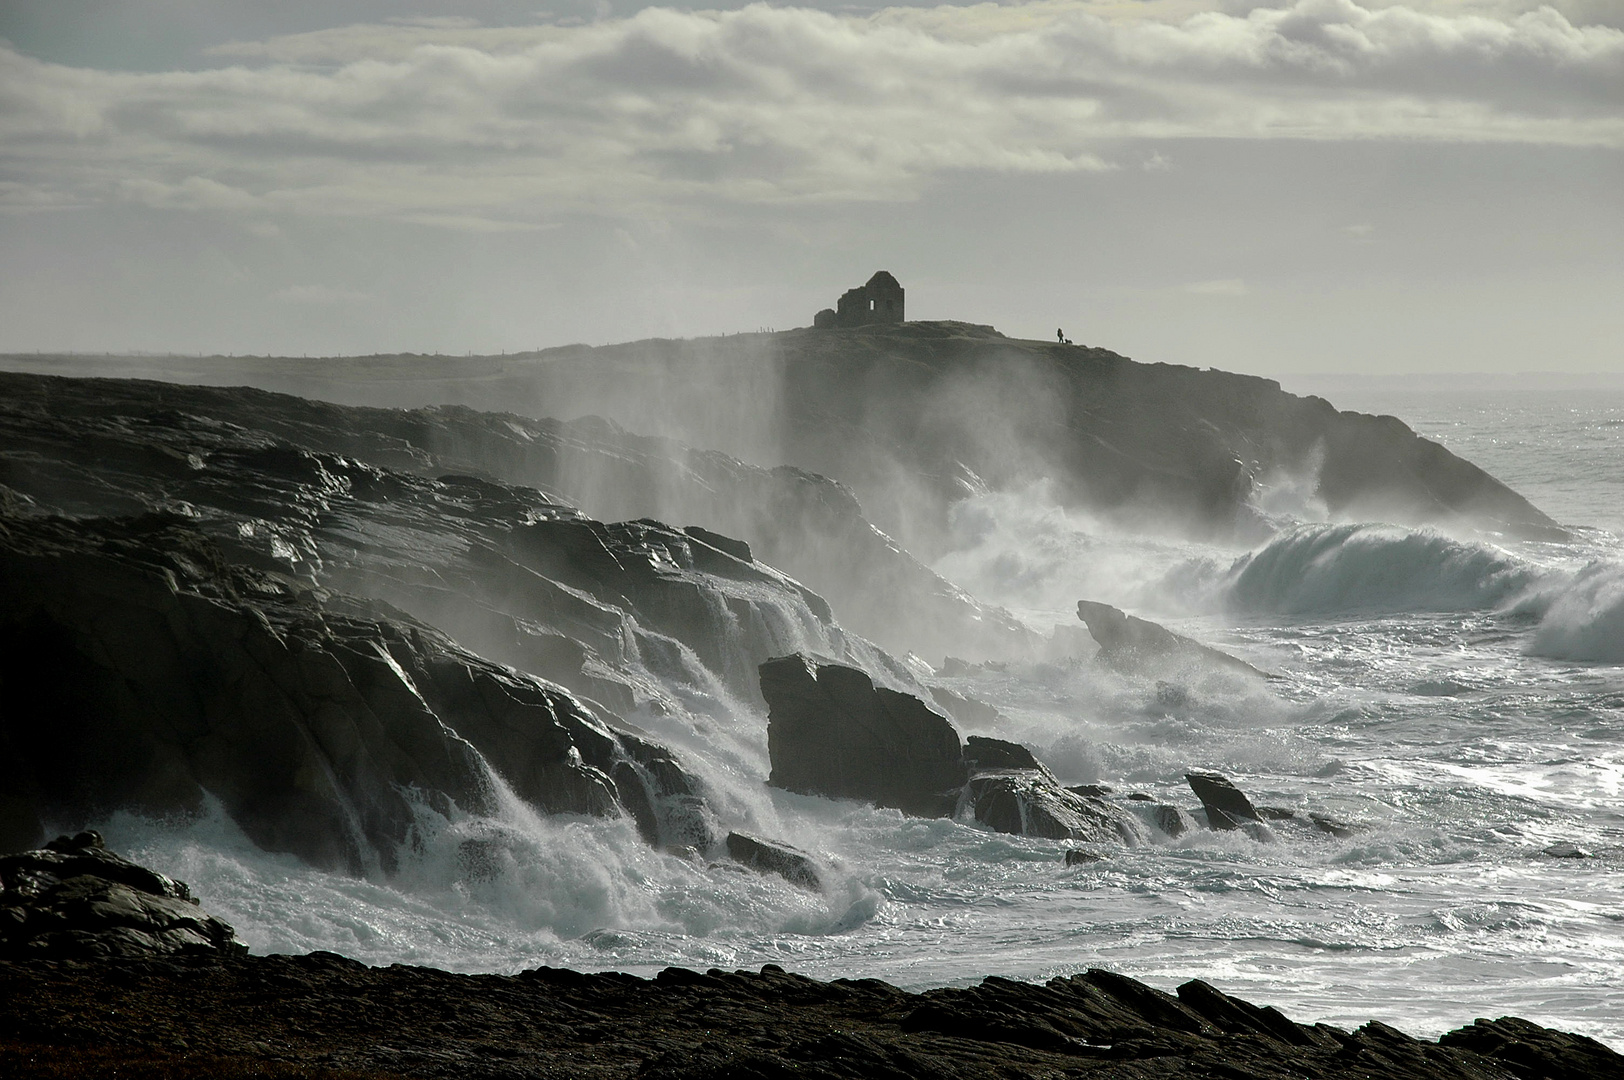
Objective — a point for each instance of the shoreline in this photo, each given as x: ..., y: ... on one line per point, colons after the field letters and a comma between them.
x: 326, y: 1017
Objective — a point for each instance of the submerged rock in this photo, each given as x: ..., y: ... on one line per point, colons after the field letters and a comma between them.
x: 1131, y: 644
x: 1339, y: 829
x: 771, y: 857
x: 1079, y: 857
x: 75, y: 900
x: 832, y: 732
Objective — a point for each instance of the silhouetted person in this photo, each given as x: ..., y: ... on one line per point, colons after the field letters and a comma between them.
x: 1060, y: 336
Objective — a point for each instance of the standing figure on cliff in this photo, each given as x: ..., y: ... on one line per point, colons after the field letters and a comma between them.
x: 1060, y: 336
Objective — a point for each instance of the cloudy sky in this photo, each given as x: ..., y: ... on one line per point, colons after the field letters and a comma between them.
x: 1309, y: 185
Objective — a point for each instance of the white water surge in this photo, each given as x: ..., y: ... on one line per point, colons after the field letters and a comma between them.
x: 1458, y: 697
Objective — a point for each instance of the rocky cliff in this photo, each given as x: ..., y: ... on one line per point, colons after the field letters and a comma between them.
x: 75, y: 441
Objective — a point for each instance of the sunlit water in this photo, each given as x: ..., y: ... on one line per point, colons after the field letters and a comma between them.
x: 1460, y: 699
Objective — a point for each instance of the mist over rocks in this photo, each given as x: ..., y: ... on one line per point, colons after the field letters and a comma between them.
x: 913, y: 416
x: 509, y: 571
x: 807, y: 525
x: 139, y: 668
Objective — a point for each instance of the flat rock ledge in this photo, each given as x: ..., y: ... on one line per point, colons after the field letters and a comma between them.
x: 324, y: 1017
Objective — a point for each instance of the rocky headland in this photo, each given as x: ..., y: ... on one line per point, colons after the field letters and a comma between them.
x: 914, y: 416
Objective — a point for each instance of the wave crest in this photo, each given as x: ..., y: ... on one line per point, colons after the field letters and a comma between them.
x: 1325, y: 569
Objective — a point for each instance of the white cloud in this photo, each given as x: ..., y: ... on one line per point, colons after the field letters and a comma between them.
x: 495, y: 127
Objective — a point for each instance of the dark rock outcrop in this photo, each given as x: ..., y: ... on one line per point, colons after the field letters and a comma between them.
x: 1028, y: 802
x: 771, y: 857
x: 75, y: 900
x: 1226, y: 805
x: 1129, y: 643
x: 140, y: 667
x: 326, y: 1017
x: 832, y: 732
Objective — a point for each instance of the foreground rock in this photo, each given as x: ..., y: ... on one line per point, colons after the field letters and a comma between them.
x: 75, y: 900
x: 1139, y: 646
x: 323, y: 1017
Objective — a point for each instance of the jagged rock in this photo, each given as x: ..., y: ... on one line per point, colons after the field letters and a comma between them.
x: 76, y: 900
x: 1079, y: 857
x: 1028, y: 802
x: 738, y: 549
x: 1534, y: 1051
x: 770, y: 857
x: 324, y: 1015
x: 1136, y: 645
x: 966, y: 711
x: 280, y: 485
x: 832, y: 732
x: 140, y: 668
x: 1226, y: 805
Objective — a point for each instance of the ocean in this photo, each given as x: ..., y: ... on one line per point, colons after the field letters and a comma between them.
x: 1456, y: 698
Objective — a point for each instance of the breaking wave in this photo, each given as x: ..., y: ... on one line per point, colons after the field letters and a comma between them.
x: 1585, y: 620
x: 1331, y: 569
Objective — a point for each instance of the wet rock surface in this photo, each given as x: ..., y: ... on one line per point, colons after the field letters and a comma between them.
x: 323, y: 1016
x: 140, y: 667
x: 1028, y: 802
x: 832, y: 732
x: 771, y: 857
x: 74, y: 900
x: 1226, y: 805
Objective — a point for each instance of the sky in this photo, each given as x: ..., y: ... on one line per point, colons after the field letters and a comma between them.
x: 1302, y: 186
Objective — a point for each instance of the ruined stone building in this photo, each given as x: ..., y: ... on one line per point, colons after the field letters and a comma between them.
x: 879, y: 301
